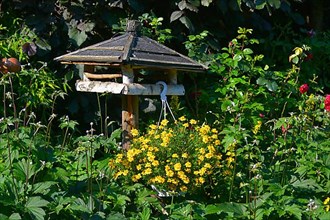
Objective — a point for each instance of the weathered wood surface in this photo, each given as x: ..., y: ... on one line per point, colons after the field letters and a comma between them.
x: 127, y: 89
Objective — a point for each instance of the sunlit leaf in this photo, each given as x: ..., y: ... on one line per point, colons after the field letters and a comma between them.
x: 176, y: 15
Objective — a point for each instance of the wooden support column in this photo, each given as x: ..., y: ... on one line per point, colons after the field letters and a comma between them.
x: 87, y: 69
x: 172, y: 76
x: 130, y: 109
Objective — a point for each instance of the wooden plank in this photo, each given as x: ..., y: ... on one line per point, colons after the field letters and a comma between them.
x: 102, y: 76
x: 127, y: 89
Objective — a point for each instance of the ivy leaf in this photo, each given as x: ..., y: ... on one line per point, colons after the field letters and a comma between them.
x: 176, y: 15
x: 206, y: 2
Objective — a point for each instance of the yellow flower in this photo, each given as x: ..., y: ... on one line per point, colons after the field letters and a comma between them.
x: 327, y: 204
x: 134, y: 132
x: 182, y: 118
x: 188, y: 164
x: 155, y: 163
x: 201, y: 180
x: 177, y: 166
x: 215, y: 131
x: 208, y: 166
x: 139, y: 167
x: 257, y: 127
x: 164, y: 122
x: 186, y: 125
x: 209, y: 155
x: 216, y: 142
x: 147, y: 171
x: 204, y: 129
x: 193, y: 121
x: 125, y: 172
x: 202, y: 151
x: 183, y: 188
x: 159, y: 179
x: 175, y: 156
x: 153, y: 127
x: 184, y: 155
x: 136, y: 177
x: 205, y: 139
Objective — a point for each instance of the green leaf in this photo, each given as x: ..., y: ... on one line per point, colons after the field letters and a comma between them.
x: 15, y: 216
x: 145, y: 214
x: 43, y: 187
x: 237, y: 57
x: 33, y: 206
x: 295, y: 60
x: 186, y: 21
x: 294, y: 210
x: 262, y: 81
x: 212, y: 209
x: 272, y: 86
x: 274, y: 3
x: 206, y: 2
x: 247, y: 51
x: 176, y: 15
x: 77, y: 36
x: 235, y: 208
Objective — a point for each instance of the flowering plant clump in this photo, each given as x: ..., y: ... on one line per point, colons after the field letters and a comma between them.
x: 176, y: 158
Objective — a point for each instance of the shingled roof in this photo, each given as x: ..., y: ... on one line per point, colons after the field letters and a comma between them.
x: 133, y: 49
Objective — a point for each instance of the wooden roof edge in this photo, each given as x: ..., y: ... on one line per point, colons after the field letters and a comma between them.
x: 179, y: 54
x: 60, y: 58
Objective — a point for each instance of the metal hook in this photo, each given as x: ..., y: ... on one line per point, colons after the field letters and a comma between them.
x: 164, y: 91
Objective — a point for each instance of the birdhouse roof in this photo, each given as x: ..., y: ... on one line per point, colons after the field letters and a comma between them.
x: 132, y: 49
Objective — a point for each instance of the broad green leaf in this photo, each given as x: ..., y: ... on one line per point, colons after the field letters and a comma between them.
x: 186, y: 21
x: 77, y: 36
x: 262, y: 81
x: 33, y: 206
x: 247, y: 51
x: 235, y: 208
x: 176, y: 15
x: 237, y: 57
x: 294, y: 210
x: 43, y: 187
x: 145, y: 214
x: 212, y: 209
x: 272, y: 86
x: 274, y: 3
x: 15, y: 216
x: 206, y: 2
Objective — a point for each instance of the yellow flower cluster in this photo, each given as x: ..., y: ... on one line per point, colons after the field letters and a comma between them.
x: 327, y: 204
x: 176, y: 157
x: 257, y: 127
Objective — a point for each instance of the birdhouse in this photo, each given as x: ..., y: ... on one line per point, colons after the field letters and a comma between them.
x: 130, y: 65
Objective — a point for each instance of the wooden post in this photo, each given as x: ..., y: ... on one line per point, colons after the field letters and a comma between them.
x: 172, y: 76
x: 130, y: 109
x: 88, y: 69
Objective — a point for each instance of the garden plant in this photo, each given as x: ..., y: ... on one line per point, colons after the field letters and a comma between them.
x: 251, y: 139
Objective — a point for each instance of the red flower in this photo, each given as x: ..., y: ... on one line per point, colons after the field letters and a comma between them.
x: 309, y: 56
x: 327, y: 103
x: 303, y: 88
